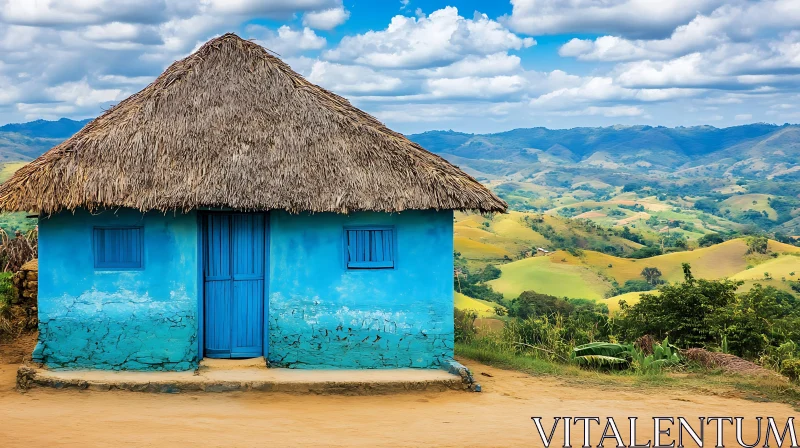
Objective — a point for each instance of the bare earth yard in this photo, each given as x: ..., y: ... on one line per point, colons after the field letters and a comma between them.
x: 499, y: 416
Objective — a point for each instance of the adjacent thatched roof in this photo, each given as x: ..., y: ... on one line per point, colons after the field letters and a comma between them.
x: 233, y: 126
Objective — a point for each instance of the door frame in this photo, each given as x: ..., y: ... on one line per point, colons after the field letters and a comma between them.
x: 201, y: 292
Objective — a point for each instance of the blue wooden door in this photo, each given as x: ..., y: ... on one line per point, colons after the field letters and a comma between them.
x: 234, y: 248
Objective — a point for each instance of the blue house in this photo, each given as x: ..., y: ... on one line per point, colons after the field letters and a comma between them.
x: 232, y: 209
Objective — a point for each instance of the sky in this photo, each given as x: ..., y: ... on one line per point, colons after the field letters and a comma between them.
x: 417, y: 65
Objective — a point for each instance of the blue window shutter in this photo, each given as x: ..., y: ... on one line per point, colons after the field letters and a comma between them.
x: 370, y: 248
x: 118, y: 247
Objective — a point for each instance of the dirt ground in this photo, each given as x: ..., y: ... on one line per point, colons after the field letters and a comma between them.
x: 499, y: 416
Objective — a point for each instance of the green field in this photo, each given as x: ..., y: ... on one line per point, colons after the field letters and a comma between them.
x: 783, y: 267
x: 589, y: 274
x: 547, y: 275
x: 740, y: 203
x: 9, y: 168
x: 481, y: 307
x: 14, y: 221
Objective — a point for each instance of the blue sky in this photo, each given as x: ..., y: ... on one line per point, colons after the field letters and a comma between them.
x: 472, y: 66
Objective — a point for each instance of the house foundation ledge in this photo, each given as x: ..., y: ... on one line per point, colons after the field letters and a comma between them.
x: 246, y: 375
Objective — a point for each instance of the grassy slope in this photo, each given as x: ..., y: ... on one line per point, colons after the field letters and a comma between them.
x: 9, y: 168
x: 740, y: 203
x: 481, y: 307
x: 588, y: 275
x: 653, y: 207
x: 13, y: 221
x: 506, y: 235
x: 714, y: 263
x: 548, y: 275
x: 629, y: 297
x: 721, y: 260
x: 783, y: 266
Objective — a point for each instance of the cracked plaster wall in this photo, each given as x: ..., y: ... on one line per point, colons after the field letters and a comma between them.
x: 323, y: 315
x: 143, y: 319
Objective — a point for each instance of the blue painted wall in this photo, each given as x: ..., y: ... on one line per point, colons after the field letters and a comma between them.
x: 323, y: 315
x: 142, y: 319
x: 319, y: 315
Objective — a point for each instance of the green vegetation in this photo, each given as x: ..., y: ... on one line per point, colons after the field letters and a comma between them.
x: 6, y: 290
x: 630, y: 356
x: 761, y: 324
x: 710, y: 239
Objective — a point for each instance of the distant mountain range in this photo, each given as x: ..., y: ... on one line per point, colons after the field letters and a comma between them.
x: 21, y: 142
x: 753, y: 150
x: 750, y: 151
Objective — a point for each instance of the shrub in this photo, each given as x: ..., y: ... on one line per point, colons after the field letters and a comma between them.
x: 634, y: 285
x: 791, y: 368
x: 646, y: 252
x: 490, y: 272
x: 464, y: 325
x: 14, y: 252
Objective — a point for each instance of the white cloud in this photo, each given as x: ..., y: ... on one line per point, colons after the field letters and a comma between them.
x: 728, y: 66
x: 726, y: 24
x: 286, y: 41
x: 678, y: 60
x: 474, y: 87
x: 438, y: 113
x: 351, y: 79
x: 472, y: 65
x: 604, y: 89
x: 80, y: 93
x: 623, y: 17
x: 77, y: 56
x: 606, y: 111
x: 273, y: 8
x: 743, y: 117
x: 326, y: 19
x: 683, y: 71
x: 436, y: 40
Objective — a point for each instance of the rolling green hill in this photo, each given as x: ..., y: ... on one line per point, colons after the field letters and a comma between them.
x: 547, y: 275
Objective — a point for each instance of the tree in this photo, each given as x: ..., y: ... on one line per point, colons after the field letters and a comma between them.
x: 707, y: 205
x: 710, y: 239
x: 761, y: 317
x: 645, y: 252
x: 532, y: 303
x: 652, y: 275
x: 757, y: 245
x: 691, y: 313
x: 490, y: 272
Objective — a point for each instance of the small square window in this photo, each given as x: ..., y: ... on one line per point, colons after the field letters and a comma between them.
x: 370, y: 247
x: 118, y: 247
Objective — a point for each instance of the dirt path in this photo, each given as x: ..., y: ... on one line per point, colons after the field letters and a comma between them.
x: 500, y: 416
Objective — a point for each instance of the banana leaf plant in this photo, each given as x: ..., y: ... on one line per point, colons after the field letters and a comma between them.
x: 623, y: 356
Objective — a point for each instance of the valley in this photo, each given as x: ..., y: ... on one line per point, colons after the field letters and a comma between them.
x: 590, y: 208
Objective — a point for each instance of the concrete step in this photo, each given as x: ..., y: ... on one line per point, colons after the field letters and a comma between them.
x: 246, y: 375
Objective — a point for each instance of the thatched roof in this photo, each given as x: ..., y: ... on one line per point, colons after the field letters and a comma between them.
x: 233, y: 126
